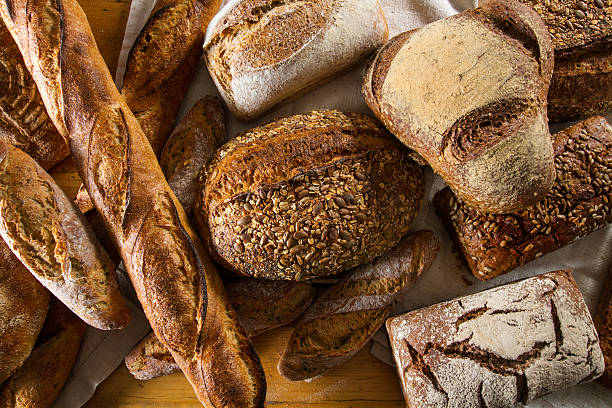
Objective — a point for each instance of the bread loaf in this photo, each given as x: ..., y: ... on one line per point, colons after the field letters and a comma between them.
x: 309, y: 195
x: 603, y: 324
x: 45, y: 230
x: 499, y: 348
x: 262, y: 52
x: 23, y: 307
x: 40, y: 380
x: 176, y: 283
x: 468, y: 93
x: 161, y: 64
x: 579, y: 203
x: 344, y: 318
x: 261, y: 305
x: 24, y: 122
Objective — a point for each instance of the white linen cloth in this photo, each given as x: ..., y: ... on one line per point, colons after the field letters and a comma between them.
x: 589, y: 257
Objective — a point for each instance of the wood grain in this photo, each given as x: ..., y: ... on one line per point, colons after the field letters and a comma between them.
x: 363, y: 382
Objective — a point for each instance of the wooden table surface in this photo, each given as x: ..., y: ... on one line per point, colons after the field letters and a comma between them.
x: 363, y: 382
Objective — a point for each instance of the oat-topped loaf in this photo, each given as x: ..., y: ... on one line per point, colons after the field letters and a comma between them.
x: 262, y: 52
x: 499, y: 348
x: 309, y: 195
x: 468, y: 93
x: 579, y: 203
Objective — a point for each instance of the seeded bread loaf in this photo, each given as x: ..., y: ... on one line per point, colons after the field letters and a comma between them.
x: 499, y: 348
x: 468, y: 93
x: 603, y: 324
x: 23, y: 307
x: 24, y: 122
x: 177, y: 285
x: 344, y: 318
x: 309, y: 195
x: 261, y: 305
x: 579, y: 203
x: 40, y: 380
x: 262, y: 52
x: 46, y: 231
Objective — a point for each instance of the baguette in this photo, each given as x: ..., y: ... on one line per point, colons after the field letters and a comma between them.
x: 468, y: 93
x: 603, y: 324
x: 40, y: 380
x: 579, y: 203
x: 23, y: 307
x: 177, y: 285
x: 45, y: 230
x: 342, y: 320
x: 162, y: 62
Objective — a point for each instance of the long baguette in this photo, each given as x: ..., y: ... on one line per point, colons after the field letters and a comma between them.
x: 179, y: 288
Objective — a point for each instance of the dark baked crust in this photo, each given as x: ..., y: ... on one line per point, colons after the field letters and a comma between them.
x: 603, y: 324
x: 307, y: 196
x: 150, y: 359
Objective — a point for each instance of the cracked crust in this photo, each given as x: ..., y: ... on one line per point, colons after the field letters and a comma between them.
x: 579, y: 203
x: 501, y: 347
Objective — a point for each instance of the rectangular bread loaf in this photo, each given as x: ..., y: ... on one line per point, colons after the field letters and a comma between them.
x: 603, y: 323
x: 498, y: 348
x: 579, y: 203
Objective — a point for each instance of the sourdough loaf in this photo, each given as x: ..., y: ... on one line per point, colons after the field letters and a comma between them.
x: 499, y: 348
x: 262, y: 52
x: 579, y: 203
x: 603, y: 324
x: 468, y: 93
x: 309, y: 195
x: 344, y: 318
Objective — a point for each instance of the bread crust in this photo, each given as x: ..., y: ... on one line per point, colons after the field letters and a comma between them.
x: 344, y: 318
x: 486, y: 135
x: 580, y: 202
x: 603, y: 324
x: 178, y: 287
x: 309, y: 195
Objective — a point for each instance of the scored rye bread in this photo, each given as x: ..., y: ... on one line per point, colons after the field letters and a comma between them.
x: 309, y: 195
x: 580, y: 202
x: 261, y: 305
x: 468, y: 93
x: 499, y: 348
x: 603, y: 324
x: 342, y: 320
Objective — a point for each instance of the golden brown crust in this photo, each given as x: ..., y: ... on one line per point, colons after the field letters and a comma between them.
x: 307, y: 196
x: 579, y: 203
x: 24, y: 122
x: 41, y: 379
x: 162, y: 62
x: 23, y: 307
x: 603, y: 324
x: 342, y: 320
x: 150, y: 359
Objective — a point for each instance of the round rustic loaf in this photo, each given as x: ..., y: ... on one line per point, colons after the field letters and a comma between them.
x: 309, y: 195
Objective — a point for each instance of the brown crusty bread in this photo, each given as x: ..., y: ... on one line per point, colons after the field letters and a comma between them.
x: 603, y: 324
x: 499, y: 348
x: 468, y: 93
x: 24, y: 122
x: 190, y: 146
x: 23, y: 307
x: 177, y: 285
x: 579, y: 203
x: 49, y: 235
x: 40, y: 380
x: 261, y: 305
x: 309, y: 195
x: 161, y: 64
x: 344, y: 318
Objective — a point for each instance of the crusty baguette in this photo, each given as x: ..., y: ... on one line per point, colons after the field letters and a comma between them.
x: 23, y: 307
x: 468, y: 93
x: 261, y: 305
x: 603, y: 324
x: 45, y: 230
x: 24, y: 122
x: 162, y: 62
x: 190, y: 146
x: 40, y: 380
x: 177, y: 285
x: 342, y: 320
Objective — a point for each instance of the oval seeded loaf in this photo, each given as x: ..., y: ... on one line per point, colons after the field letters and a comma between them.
x: 308, y: 195
x: 262, y: 52
x: 468, y: 93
